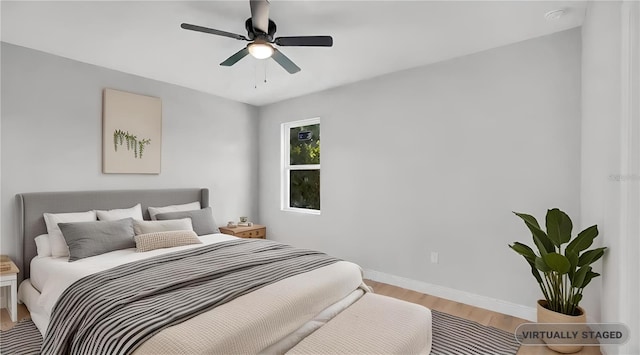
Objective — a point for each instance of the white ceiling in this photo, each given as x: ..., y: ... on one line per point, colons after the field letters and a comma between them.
x: 371, y: 38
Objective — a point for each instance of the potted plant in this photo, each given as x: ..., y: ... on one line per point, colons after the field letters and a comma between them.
x: 561, y: 266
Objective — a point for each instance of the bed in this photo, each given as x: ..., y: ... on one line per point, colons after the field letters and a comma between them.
x: 322, y: 306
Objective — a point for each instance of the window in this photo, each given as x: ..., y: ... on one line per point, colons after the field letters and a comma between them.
x: 301, y: 166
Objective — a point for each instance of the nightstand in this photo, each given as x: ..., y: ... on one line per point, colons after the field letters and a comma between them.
x: 9, y: 277
x: 255, y: 231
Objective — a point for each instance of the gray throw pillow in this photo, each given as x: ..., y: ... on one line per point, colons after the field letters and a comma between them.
x: 202, y: 220
x: 87, y: 239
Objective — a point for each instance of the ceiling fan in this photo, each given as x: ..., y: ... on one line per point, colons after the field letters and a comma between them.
x: 260, y: 32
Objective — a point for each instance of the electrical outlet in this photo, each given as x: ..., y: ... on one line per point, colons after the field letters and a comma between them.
x: 434, y: 257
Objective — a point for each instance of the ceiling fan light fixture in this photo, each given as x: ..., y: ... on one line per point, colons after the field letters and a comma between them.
x: 260, y: 33
x: 260, y: 50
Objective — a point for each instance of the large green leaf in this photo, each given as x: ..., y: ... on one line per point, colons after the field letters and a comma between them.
x: 557, y: 262
x: 559, y: 227
x: 579, y: 277
x: 540, y: 238
x: 566, y: 226
x: 529, y: 256
x: 583, y: 240
x: 524, y: 250
x: 591, y: 256
x: 553, y: 226
x: 528, y: 219
x: 541, y: 265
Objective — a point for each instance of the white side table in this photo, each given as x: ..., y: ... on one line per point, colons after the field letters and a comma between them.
x: 9, y: 277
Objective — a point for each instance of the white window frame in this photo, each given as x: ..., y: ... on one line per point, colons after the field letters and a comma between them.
x: 285, y: 202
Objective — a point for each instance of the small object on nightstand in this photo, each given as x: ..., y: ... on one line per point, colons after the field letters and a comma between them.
x: 244, y: 222
x: 8, y: 277
x: 231, y: 224
x: 254, y: 231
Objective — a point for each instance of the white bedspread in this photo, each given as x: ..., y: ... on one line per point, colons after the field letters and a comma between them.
x: 51, y: 276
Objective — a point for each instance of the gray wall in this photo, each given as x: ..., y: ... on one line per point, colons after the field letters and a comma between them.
x: 52, y: 136
x: 435, y: 159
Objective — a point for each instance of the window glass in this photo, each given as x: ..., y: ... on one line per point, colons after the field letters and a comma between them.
x: 304, y: 189
x: 305, y: 145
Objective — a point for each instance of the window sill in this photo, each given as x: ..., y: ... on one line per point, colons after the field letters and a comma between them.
x: 301, y: 211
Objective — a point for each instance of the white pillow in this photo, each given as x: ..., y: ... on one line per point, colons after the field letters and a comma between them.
x: 56, y: 239
x: 153, y: 211
x: 134, y: 212
x: 43, y: 245
x: 145, y: 227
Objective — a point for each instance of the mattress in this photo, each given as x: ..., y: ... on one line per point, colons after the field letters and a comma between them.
x: 28, y: 295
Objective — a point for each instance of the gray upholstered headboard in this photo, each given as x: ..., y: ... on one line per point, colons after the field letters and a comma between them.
x: 31, y: 207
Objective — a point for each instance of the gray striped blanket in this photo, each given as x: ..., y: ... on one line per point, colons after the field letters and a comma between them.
x: 115, y: 311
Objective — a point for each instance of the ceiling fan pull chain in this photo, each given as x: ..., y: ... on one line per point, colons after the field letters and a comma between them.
x: 265, y: 71
x: 255, y: 76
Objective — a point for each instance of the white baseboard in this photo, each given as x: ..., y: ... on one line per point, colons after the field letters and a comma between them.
x: 493, y: 304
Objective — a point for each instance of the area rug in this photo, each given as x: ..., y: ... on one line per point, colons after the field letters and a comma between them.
x: 455, y: 335
x: 23, y: 338
x: 451, y: 335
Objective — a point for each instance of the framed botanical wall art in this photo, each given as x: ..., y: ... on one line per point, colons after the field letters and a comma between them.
x: 131, y: 133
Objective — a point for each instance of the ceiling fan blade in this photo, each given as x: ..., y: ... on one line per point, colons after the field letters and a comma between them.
x: 236, y: 57
x: 260, y: 15
x: 187, y: 26
x: 305, y: 41
x: 285, y: 62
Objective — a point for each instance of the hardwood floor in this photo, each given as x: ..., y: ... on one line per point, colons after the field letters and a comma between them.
x: 5, y: 320
x: 482, y: 316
